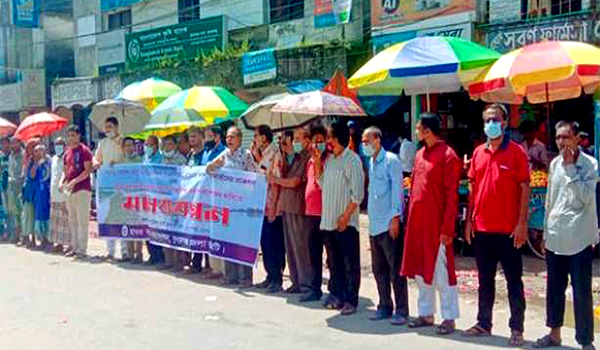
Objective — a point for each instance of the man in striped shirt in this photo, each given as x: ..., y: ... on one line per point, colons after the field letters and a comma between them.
x: 342, y: 180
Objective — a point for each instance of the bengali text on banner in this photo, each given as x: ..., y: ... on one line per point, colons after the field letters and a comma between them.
x: 183, y: 208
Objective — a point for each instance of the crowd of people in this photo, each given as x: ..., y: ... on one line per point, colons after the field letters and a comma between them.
x: 317, y: 181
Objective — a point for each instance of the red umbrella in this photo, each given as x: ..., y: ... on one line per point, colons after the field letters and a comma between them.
x: 6, y: 127
x: 40, y: 125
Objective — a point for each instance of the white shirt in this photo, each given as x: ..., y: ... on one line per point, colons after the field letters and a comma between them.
x: 342, y: 182
x: 109, y: 150
x: 571, y: 224
x: 408, y: 150
x: 56, y: 173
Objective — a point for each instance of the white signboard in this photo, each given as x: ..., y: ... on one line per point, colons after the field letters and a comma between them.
x: 33, y: 90
x: 10, y: 97
x: 110, y: 52
x: 69, y: 93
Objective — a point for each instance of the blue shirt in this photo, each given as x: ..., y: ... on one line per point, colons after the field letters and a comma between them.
x: 156, y: 158
x: 209, y: 155
x: 386, y: 195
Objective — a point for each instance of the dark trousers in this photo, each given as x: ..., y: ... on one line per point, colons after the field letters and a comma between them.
x: 345, y: 258
x: 156, y: 253
x: 491, y: 248
x: 197, y: 261
x: 273, y: 249
x: 386, y: 258
x: 315, y: 246
x: 579, y: 267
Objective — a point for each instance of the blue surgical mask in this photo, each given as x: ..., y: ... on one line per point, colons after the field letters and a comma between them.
x: 368, y: 150
x: 297, y: 147
x: 321, y: 146
x: 59, y: 149
x: 148, y: 150
x: 493, y: 129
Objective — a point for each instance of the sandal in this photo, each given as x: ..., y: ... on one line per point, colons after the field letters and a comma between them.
x: 516, y: 339
x: 476, y: 331
x: 420, y: 322
x: 447, y: 327
x: 547, y: 342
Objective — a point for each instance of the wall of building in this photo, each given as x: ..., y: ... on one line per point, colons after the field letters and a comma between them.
x: 154, y: 14
x: 240, y: 13
x: 503, y: 11
x: 85, y: 57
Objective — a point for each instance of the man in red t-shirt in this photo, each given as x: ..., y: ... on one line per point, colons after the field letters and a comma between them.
x: 497, y: 220
x: 76, y: 184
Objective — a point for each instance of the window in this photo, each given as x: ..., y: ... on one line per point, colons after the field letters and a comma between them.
x: 543, y: 8
x: 286, y: 10
x: 189, y: 10
x: 119, y: 20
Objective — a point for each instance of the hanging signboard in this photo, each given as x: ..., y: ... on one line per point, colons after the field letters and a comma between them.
x: 259, y: 66
x: 328, y: 13
x: 386, y: 13
x: 186, y: 41
x: 26, y: 13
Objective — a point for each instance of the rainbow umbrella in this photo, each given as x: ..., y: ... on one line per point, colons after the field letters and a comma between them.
x: 541, y: 73
x: 150, y: 92
x: 423, y: 65
x: 200, y: 105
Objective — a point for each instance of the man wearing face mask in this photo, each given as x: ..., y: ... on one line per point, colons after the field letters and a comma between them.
x: 60, y: 234
x: 428, y: 251
x: 152, y: 154
x: 386, y: 203
x: 5, y: 229
x: 213, y: 146
x: 110, y: 151
x: 497, y: 221
x: 296, y: 228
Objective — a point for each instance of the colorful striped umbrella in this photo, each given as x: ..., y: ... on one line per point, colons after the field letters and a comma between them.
x: 40, y: 125
x: 215, y: 104
x: 150, y: 92
x: 423, y: 65
x: 542, y: 72
x: 319, y: 103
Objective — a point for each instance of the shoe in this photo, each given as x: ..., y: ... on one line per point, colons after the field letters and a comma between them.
x: 348, y: 310
x: 263, y: 285
x: 310, y: 296
x: 150, y: 263
x: 125, y: 259
x: 70, y: 254
x: 333, y: 303
x: 381, y: 315
x: 246, y: 284
x: 163, y: 266
x: 398, y: 320
x: 293, y: 290
x: 274, y: 288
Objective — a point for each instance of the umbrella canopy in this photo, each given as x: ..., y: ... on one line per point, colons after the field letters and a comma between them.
x: 40, y: 125
x: 319, y: 103
x: 542, y: 72
x: 261, y: 113
x: 423, y: 65
x: 171, y: 121
x: 132, y: 116
x: 214, y: 104
x: 6, y: 127
x: 150, y: 92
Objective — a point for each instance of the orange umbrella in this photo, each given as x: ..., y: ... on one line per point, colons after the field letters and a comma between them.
x: 6, y: 127
x: 40, y: 125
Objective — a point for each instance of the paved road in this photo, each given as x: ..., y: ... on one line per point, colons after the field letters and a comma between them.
x: 52, y: 303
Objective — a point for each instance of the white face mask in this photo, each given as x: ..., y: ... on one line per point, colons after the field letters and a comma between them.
x: 111, y: 135
x: 169, y: 154
x: 60, y: 149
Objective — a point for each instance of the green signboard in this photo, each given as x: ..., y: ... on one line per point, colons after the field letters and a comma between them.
x: 184, y: 40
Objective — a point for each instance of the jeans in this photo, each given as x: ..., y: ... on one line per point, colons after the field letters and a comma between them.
x: 386, y: 258
x: 579, y: 268
x: 491, y: 248
x: 345, y: 258
x: 78, y: 206
x: 273, y: 249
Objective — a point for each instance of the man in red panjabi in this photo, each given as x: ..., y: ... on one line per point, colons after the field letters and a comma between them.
x: 428, y: 251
